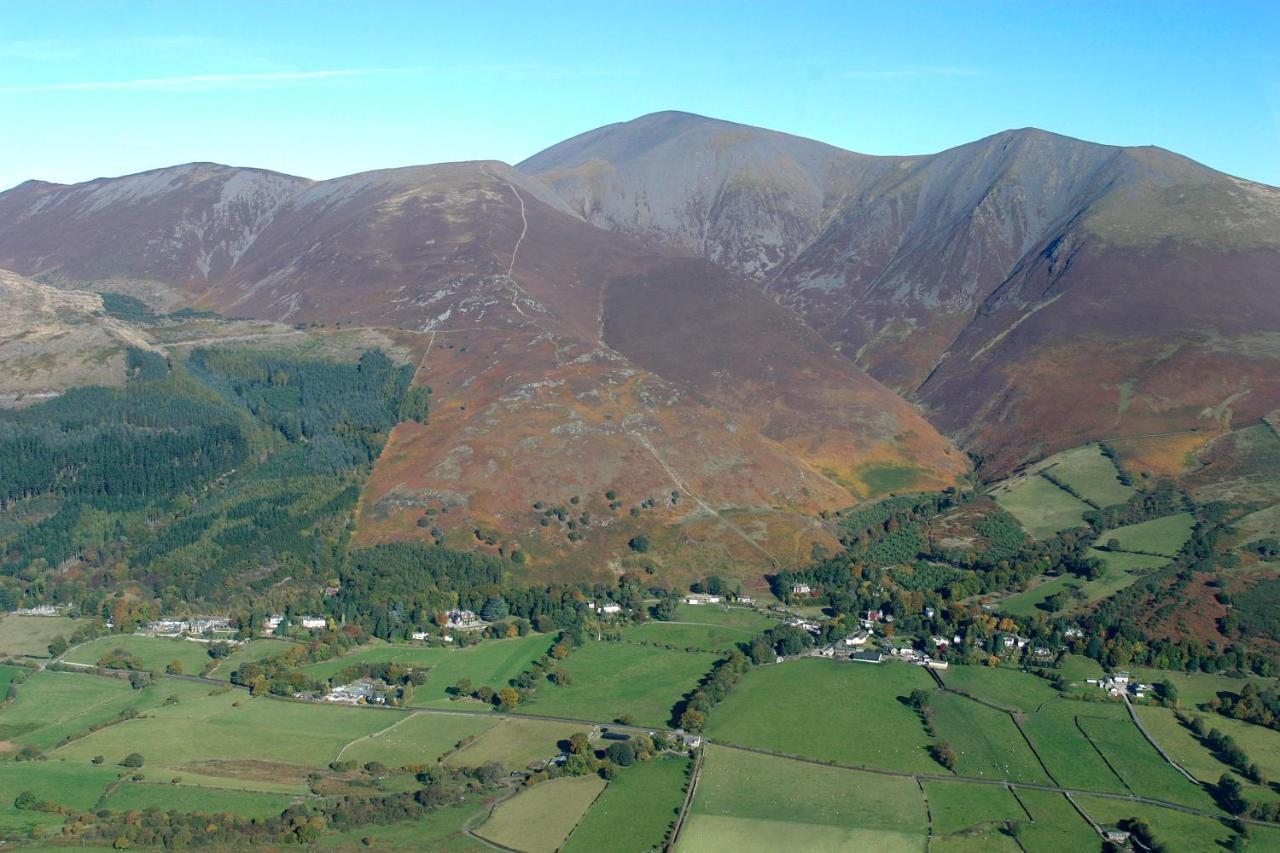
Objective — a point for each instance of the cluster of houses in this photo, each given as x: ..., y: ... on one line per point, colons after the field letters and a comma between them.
x: 362, y: 691
x: 463, y: 620
x: 310, y: 623
x: 1119, y: 684
x: 609, y: 608
x: 41, y: 610
x: 196, y: 625
x: 910, y: 655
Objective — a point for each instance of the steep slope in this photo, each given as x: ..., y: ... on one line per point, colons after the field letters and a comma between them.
x: 746, y: 198
x: 151, y: 233
x: 1030, y: 290
x: 53, y: 339
x: 567, y: 360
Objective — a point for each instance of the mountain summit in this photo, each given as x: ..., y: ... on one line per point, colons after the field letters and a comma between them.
x: 1029, y: 290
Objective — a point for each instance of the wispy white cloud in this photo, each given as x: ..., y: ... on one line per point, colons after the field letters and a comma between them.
x: 37, y: 50
x: 260, y: 79
x: 912, y: 72
x: 201, y: 82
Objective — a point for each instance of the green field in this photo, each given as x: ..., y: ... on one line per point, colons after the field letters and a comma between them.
x: 153, y: 653
x: 419, y: 738
x: 1078, y: 668
x: 418, y: 656
x: 1139, y: 765
x: 745, y: 618
x: 1159, y: 536
x: 1178, y: 831
x: 52, y: 705
x: 539, y: 819
x: 61, y: 782
x: 636, y: 810
x: 1198, y: 688
x: 1071, y: 759
x: 987, y: 743
x: 682, y: 636
x: 847, y: 713
x: 1041, y: 508
x: 1090, y: 473
x: 748, y: 802
x: 492, y: 662
x: 613, y: 679
x: 1008, y: 688
x: 29, y: 636
x: 251, y: 651
x: 956, y: 806
x: 1262, y: 745
x: 192, y: 798
x: 231, y: 727
x: 516, y: 743
x: 1056, y: 825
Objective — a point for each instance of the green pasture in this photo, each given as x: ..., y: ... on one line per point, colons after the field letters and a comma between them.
x: 636, y: 810
x: 539, y: 819
x: 848, y: 713
x: 1091, y: 474
x: 1041, y: 508
x: 987, y: 743
x: 615, y: 679
x: 751, y: 802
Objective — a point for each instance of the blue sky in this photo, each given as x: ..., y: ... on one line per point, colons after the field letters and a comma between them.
x: 316, y: 89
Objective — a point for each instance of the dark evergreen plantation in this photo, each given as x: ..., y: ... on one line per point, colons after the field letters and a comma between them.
x: 198, y: 480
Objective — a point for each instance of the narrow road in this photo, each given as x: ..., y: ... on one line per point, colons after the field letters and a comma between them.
x: 688, y: 801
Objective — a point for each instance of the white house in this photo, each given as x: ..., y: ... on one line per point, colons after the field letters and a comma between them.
x: 313, y: 622
x: 701, y: 598
x: 800, y: 589
x: 420, y: 635
x: 858, y: 639
x: 610, y: 608
x: 929, y: 613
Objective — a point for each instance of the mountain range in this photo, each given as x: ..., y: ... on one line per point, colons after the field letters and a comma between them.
x: 731, y: 329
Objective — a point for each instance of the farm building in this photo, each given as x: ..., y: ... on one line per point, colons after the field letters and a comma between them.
x: 800, y: 589
x: 866, y: 657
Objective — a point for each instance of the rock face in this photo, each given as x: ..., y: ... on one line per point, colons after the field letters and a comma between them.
x: 1030, y: 291
x: 564, y: 359
x: 168, y: 232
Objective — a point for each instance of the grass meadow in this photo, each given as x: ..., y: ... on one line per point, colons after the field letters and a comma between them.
x: 1041, y: 508
x: 636, y: 810
x: 751, y: 802
x: 29, y: 636
x: 515, y: 743
x: 987, y: 743
x: 418, y: 738
x: 1138, y: 763
x: 1163, y: 536
x: 615, y: 679
x: 1008, y: 688
x: 1091, y: 474
x: 539, y: 819
x: 849, y: 713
